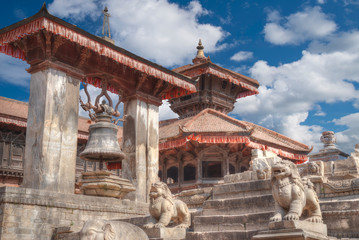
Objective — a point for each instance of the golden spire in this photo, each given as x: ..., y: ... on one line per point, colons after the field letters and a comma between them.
x: 200, y: 53
x: 200, y: 58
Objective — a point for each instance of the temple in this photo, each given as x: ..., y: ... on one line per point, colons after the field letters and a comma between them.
x: 229, y: 174
x: 205, y: 144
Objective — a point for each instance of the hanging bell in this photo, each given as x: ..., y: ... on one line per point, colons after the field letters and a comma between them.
x: 102, y: 144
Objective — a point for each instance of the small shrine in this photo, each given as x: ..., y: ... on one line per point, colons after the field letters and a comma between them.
x: 205, y: 144
x: 329, y: 152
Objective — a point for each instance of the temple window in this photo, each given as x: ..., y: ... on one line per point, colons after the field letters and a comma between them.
x: 172, y: 175
x: 232, y: 169
x: 189, y: 172
x: 212, y: 169
x: 243, y: 168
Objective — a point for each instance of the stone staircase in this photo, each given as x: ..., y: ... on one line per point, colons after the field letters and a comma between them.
x: 237, y: 211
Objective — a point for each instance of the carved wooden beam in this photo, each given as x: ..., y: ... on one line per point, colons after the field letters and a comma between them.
x: 140, y: 80
x: 157, y: 87
x: 58, y: 42
x: 85, y: 54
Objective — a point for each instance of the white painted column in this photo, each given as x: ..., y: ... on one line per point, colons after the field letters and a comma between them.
x: 51, y: 135
x: 140, y: 143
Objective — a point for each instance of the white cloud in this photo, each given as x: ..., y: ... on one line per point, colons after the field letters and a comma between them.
x: 289, y: 91
x: 349, y: 137
x: 13, y: 71
x: 321, y: 1
x: 299, y: 27
x: 241, y: 56
x: 157, y: 30
x: 75, y: 9
x: 165, y: 111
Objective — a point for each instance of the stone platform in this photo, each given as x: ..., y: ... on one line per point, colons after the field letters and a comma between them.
x: 294, y: 230
x: 166, y: 233
x: 36, y: 214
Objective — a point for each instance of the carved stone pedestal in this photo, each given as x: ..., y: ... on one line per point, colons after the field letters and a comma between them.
x: 166, y: 233
x: 294, y: 230
x: 104, y: 184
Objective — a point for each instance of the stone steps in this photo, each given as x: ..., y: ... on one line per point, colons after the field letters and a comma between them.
x: 238, y: 206
x: 223, y: 235
x: 244, y: 222
x: 242, y: 189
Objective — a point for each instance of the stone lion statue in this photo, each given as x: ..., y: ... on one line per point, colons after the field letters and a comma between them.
x: 292, y: 194
x: 163, y: 208
x: 111, y: 230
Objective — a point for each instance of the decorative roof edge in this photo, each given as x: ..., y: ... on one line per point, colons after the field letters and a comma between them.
x: 44, y: 20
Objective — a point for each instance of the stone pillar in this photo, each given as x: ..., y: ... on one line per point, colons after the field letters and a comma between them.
x: 140, y: 143
x: 51, y: 135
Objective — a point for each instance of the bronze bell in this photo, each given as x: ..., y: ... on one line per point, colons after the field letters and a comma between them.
x: 102, y: 144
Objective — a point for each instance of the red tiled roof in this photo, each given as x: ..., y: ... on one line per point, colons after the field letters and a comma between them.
x: 14, y: 113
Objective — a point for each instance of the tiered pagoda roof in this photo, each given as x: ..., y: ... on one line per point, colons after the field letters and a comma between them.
x: 217, y: 87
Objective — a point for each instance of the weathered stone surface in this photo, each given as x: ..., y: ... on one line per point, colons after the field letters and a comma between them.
x: 34, y: 214
x: 306, y: 226
x: 242, y: 189
x: 294, y: 230
x: 166, y: 233
x: 195, y: 198
x: 51, y: 137
x: 245, y: 222
x: 164, y: 209
x: 260, y: 167
x: 108, y: 230
x: 104, y: 184
x: 140, y: 143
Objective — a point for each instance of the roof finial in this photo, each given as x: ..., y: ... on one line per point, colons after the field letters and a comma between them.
x: 106, y: 32
x: 200, y: 58
x: 106, y: 24
x: 200, y: 53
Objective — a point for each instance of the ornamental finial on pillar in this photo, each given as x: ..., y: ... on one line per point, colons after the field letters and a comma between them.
x: 106, y: 32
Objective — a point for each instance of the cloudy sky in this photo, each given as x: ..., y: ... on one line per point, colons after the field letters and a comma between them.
x: 305, y: 54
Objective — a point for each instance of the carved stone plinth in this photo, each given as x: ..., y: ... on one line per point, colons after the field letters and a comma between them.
x: 294, y: 230
x: 103, y: 184
x: 166, y: 233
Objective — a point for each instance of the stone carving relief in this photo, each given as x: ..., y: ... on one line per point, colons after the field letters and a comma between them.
x: 292, y: 194
x: 111, y: 230
x: 164, y: 209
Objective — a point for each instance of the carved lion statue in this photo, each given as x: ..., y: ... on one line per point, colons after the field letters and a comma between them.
x: 164, y: 209
x: 111, y: 230
x: 292, y: 194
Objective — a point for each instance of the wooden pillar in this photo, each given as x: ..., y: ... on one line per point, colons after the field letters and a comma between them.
x: 51, y: 135
x: 199, y: 170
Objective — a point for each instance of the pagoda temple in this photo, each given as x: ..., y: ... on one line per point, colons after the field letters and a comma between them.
x: 205, y: 144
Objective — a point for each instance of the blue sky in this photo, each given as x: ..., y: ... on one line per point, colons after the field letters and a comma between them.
x: 305, y: 54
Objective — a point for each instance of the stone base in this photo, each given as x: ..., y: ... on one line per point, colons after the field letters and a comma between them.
x: 104, y: 184
x: 294, y: 230
x: 35, y: 214
x: 166, y: 233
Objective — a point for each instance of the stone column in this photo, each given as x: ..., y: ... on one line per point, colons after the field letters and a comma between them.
x: 51, y: 135
x: 140, y: 143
